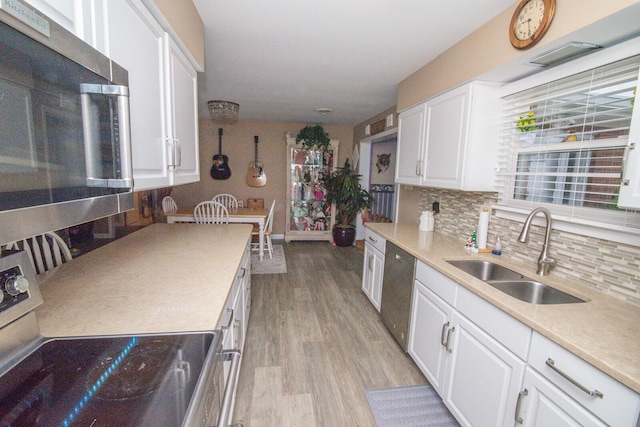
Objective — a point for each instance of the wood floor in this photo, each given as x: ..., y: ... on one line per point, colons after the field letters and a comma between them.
x: 315, y: 344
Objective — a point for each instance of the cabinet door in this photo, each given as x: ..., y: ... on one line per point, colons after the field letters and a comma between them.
x: 372, y: 274
x: 430, y: 324
x: 409, y: 150
x: 446, y: 136
x: 630, y: 188
x: 542, y: 404
x: 136, y: 43
x: 80, y: 17
x: 484, y: 378
x: 182, y: 116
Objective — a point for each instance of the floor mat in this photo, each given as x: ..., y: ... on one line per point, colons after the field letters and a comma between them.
x: 412, y: 406
x: 277, y: 265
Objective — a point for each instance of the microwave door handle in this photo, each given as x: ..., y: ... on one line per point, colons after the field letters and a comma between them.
x: 92, y: 151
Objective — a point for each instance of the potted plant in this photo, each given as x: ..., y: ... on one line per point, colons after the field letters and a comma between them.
x: 343, y: 188
x: 313, y: 137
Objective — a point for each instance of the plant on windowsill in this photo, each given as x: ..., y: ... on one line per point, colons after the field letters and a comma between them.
x: 313, y: 138
x: 527, y: 125
x: 344, y: 189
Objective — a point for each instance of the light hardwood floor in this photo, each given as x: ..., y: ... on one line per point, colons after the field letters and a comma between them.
x: 315, y: 344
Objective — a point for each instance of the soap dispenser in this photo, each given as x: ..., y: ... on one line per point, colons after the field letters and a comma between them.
x: 497, y: 247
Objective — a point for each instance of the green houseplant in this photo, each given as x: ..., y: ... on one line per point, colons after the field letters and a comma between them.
x: 313, y: 138
x: 344, y: 189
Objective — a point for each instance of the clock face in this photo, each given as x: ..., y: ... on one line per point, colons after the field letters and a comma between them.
x: 529, y: 19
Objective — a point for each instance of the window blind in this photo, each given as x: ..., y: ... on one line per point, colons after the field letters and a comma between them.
x: 562, y: 144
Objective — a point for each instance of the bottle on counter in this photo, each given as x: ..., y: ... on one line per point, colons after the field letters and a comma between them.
x: 497, y: 247
x: 427, y: 221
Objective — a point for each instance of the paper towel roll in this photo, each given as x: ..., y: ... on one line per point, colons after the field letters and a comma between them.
x: 483, y: 227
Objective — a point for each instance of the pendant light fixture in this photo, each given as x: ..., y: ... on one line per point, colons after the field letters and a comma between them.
x: 224, y: 112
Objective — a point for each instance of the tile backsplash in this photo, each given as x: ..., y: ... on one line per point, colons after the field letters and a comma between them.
x: 600, y: 264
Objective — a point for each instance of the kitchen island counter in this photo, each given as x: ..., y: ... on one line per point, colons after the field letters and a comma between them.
x: 165, y: 278
x: 604, y: 331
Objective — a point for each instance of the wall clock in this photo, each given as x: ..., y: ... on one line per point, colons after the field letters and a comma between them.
x: 530, y: 22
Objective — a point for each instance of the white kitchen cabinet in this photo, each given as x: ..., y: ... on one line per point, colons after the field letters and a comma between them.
x: 629, y: 196
x: 476, y: 375
x: 162, y: 88
x: 410, y: 146
x: 80, y: 17
x: 373, y: 268
x: 562, y: 389
x: 450, y: 140
x: 430, y: 323
x: 182, y: 116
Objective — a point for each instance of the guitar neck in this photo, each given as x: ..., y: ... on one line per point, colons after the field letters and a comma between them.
x: 220, y: 141
x: 255, y: 139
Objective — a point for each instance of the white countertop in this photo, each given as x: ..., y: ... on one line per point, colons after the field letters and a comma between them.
x: 164, y: 278
x: 604, y: 331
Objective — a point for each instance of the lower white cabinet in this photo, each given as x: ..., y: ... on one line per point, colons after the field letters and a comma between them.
x: 373, y: 267
x: 562, y: 389
x: 477, y: 377
x: 235, y: 316
x: 492, y: 370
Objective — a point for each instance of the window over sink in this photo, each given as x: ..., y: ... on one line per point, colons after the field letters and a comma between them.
x: 563, y: 145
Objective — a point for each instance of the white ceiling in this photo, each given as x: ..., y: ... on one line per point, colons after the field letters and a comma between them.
x: 281, y: 60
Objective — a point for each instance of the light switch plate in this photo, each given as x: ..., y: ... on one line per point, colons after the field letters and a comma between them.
x: 390, y: 120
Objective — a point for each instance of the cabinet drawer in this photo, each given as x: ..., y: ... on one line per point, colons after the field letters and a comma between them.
x: 512, y: 333
x: 375, y: 240
x: 618, y: 405
x: 437, y: 282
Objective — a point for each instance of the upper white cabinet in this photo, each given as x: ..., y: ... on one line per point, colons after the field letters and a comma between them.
x: 450, y: 140
x: 80, y: 17
x: 630, y: 188
x: 182, y: 116
x: 411, y: 127
x: 162, y: 83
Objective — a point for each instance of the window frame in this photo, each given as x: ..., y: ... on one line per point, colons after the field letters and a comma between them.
x: 517, y: 210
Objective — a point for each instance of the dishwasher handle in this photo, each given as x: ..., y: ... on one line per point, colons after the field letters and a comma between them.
x: 225, y: 408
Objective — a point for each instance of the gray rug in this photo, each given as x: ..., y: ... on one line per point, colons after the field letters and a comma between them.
x: 277, y: 265
x: 412, y: 406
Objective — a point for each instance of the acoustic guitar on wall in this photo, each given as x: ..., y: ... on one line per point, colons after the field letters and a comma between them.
x: 256, y: 176
x: 220, y: 168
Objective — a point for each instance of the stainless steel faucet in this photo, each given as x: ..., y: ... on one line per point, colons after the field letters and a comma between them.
x: 545, y: 262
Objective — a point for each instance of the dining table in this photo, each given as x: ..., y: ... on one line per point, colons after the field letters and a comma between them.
x: 238, y: 215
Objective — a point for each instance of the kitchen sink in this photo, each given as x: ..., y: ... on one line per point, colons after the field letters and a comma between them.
x: 486, y: 270
x: 513, y: 283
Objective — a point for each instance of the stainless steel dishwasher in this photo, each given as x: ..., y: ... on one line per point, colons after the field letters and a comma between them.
x: 397, y: 285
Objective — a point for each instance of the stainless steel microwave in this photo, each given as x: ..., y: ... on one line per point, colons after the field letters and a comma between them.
x: 65, y: 151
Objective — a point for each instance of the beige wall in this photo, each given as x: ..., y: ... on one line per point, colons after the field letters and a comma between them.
x: 238, y: 145
x: 183, y: 17
x: 489, y: 47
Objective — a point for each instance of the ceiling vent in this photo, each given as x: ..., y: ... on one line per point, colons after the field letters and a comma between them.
x: 562, y: 54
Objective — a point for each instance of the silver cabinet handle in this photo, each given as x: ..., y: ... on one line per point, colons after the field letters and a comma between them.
x: 550, y: 363
x: 370, y: 260
x: 418, y: 167
x: 224, y: 418
x: 522, y: 394
x: 372, y: 239
x: 224, y: 328
x: 449, y: 337
x: 442, y: 334
x: 623, y: 167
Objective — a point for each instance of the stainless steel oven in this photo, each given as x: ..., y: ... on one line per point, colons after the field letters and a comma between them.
x: 159, y: 380
x: 65, y: 151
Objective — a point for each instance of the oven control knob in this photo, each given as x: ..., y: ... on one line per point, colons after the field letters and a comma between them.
x: 16, y: 285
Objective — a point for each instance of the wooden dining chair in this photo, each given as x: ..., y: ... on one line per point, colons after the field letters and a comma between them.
x: 227, y: 200
x: 45, y: 251
x: 268, y: 228
x: 169, y: 205
x: 209, y: 212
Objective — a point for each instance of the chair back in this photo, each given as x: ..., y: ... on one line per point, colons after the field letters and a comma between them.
x: 169, y: 205
x: 209, y: 212
x: 268, y: 225
x: 227, y: 200
x: 45, y: 251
